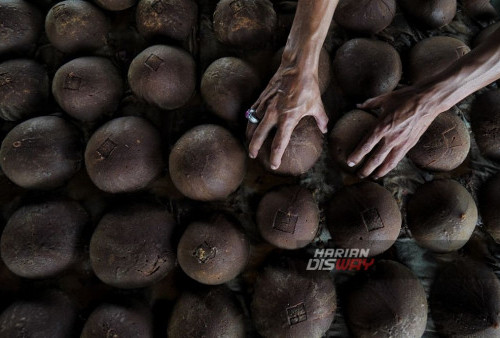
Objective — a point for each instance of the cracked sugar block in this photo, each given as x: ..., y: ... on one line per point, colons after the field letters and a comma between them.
x: 245, y: 24
x: 124, y: 155
x: 367, y: 68
x: 213, y: 252
x: 44, y: 239
x: 388, y: 301
x: 115, y: 5
x: 444, y: 146
x: 290, y: 301
x: 364, y: 216
x: 88, y: 88
x: 50, y: 314
x: 41, y: 153
x: 228, y: 86
x: 24, y: 88
x: 21, y: 26
x: 132, y: 247
x: 163, y: 76
x: 76, y: 26
x: 207, y: 163
x: 288, y: 217
x: 166, y: 18
x: 489, y: 206
x: 441, y: 215
x: 207, y: 312
x: 347, y: 133
x: 432, y: 55
x: 365, y: 16
x: 465, y: 300
x: 485, y: 123
x: 301, y: 154
x: 117, y: 320
x: 430, y: 14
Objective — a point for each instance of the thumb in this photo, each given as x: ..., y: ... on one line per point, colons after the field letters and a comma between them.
x: 372, y: 103
x: 322, y: 120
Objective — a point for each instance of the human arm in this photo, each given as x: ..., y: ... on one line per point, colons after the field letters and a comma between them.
x: 293, y: 92
x: 408, y: 112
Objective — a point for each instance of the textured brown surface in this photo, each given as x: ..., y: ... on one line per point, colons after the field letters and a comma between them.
x: 347, y: 133
x: 480, y: 9
x: 444, y: 146
x: 366, y: 68
x: 87, y: 88
x: 430, y: 13
x: 210, y: 313
x: 124, y: 155
x: 20, y: 28
x: 24, y: 88
x: 441, y: 215
x: 113, y: 320
x: 76, y: 26
x: 132, y: 246
x: 171, y: 18
x: 365, y: 16
x: 486, y: 123
x: 289, y: 301
x: 207, y: 163
x: 44, y: 239
x: 364, y: 216
x: 390, y: 302
x: 302, y: 152
x: 115, y: 5
x: 432, y: 55
x: 244, y: 24
x: 288, y: 217
x: 485, y: 33
x: 163, y: 76
x: 489, y: 206
x: 213, y: 252
x: 41, y: 153
x: 228, y: 86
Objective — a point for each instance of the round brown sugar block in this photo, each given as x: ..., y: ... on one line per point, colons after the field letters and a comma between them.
x: 207, y: 163
x: 88, y: 87
x: 132, y: 246
x: 485, y: 123
x: 21, y: 26
x: 364, y: 216
x: 228, y: 86
x: 347, y: 133
x: 44, y: 239
x: 433, y: 55
x: 115, y: 5
x: 289, y: 301
x: 163, y: 76
x: 367, y: 68
x: 49, y: 315
x: 303, y: 150
x: 173, y: 18
x: 485, y: 33
x: 324, y: 67
x: 41, y: 153
x: 124, y: 155
x: 465, y: 300
x: 444, y: 146
x: 288, y: 217
x: 244, y: 24
x: 430, y: 14
x: 24, y: 89
x: 442, y: 215
x: 389, y: 302
x: 213, y: 252
x: 212, y: 312
x: 480, y: 9
x: 365, y: 16
x: 113, y: 320
x: 74, y: 26
x: 489, y: 206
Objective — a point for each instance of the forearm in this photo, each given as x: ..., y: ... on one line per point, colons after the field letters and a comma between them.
x: 308, y: 33
x: 470, y: 73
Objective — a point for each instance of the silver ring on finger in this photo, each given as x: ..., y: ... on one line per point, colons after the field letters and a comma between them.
x: 249, y: 115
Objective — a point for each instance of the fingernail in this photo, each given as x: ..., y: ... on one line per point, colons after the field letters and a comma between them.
x: 274, y: 167
x: 351, y: 164
x: 251, y: 155
x: 361, y: 176
x: 375, y: 178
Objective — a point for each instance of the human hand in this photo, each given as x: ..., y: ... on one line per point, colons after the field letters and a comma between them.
x: 291, y: 94
x: 406, y: 115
